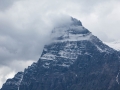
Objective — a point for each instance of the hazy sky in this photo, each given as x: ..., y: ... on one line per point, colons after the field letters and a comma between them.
x: 26, y: 24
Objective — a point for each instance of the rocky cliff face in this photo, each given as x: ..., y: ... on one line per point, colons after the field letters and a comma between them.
x: 74, y: 60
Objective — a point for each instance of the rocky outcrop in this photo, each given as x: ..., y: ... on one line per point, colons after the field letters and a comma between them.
x: 74, y: 60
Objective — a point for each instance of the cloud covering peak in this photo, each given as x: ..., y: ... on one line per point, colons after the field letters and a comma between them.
x: 25, y: 26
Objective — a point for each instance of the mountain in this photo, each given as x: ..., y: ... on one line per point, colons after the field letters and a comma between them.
x: 74, y: 60
x: 115, y: 45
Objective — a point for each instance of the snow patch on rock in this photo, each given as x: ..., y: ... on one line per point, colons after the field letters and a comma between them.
x: 48, y: 56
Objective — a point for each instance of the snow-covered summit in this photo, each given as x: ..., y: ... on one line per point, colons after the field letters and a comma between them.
x: 73, y: 31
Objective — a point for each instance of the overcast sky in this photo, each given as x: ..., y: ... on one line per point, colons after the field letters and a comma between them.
x: 25, y: 26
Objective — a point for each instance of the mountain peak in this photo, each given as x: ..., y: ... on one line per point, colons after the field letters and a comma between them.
x: 76, y: 22
x: 75, y: 60
x: 73, y: 31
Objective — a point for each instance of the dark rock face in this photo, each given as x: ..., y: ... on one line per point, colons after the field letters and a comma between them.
x: 12, y: 84
x: 75, y: 60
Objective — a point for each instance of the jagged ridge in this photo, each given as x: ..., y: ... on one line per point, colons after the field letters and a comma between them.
x: 74, y: 60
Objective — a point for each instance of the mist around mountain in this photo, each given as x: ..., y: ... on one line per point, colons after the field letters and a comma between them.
x: 73, y: 59
x: 114, y: 44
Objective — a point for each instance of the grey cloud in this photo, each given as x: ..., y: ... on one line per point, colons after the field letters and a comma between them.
x: 5, y: 4
x: 23, y: 37
x: 25, y: 25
